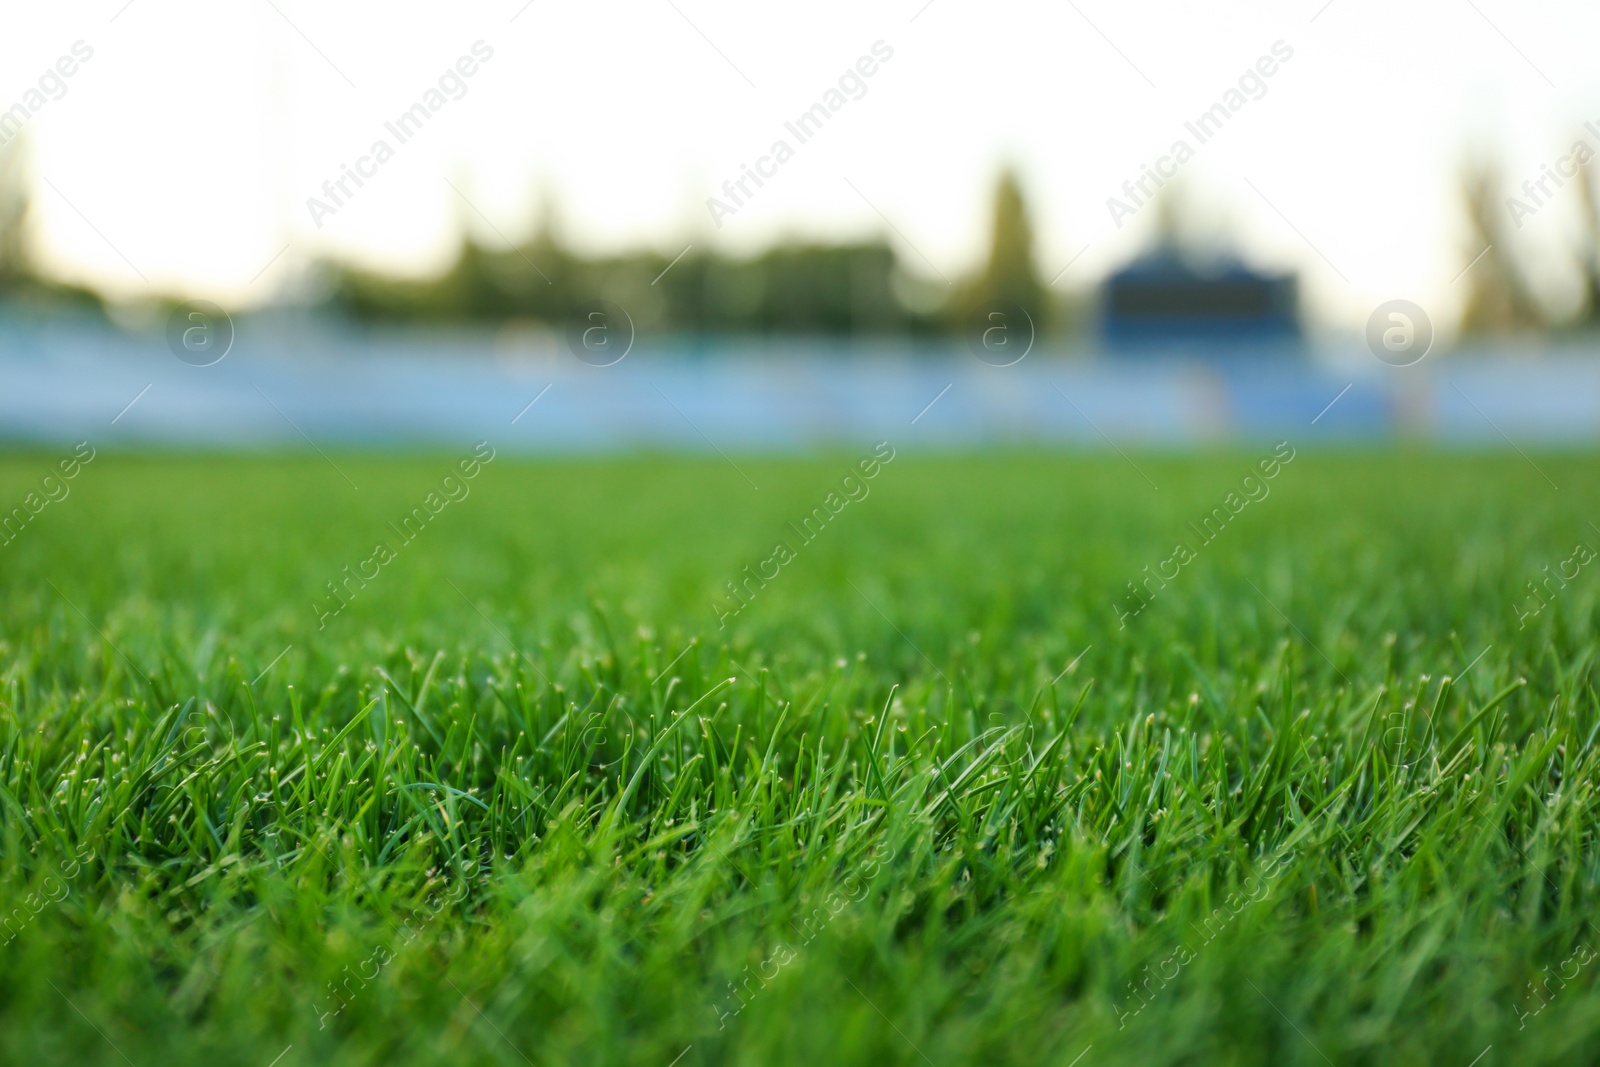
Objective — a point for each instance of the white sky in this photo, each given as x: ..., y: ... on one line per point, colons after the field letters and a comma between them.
x: 193, y: 137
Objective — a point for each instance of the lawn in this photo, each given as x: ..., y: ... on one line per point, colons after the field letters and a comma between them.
x: 548, y: 776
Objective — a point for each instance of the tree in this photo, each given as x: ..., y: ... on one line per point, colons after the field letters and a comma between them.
x: 1009, y: 274
x: 21, y: 284
x: 1589, y: 253
x: 13, y: 216
x: 1501, y: 298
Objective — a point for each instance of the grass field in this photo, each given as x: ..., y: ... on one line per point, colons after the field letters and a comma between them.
x: 1326, y: 799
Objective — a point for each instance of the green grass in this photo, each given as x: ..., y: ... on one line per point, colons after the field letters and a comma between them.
x: 524, y: 802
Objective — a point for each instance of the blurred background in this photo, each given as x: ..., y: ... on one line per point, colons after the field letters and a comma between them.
x: 687, y: 223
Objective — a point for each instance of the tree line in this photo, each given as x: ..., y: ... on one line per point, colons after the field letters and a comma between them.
x: 864, y: 287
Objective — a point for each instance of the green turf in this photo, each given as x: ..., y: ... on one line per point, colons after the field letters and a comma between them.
x: 522, y: 801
